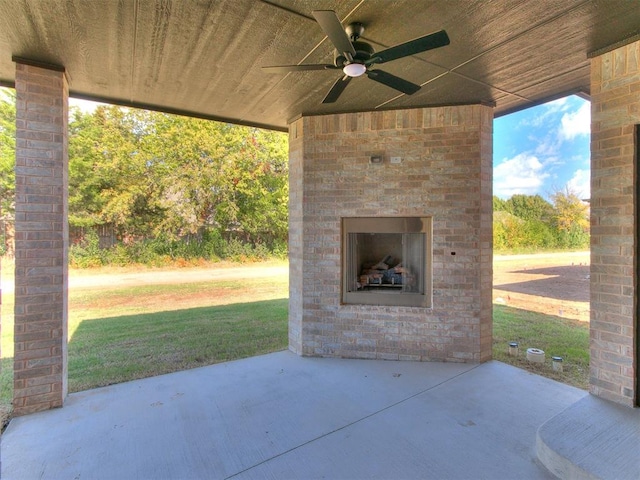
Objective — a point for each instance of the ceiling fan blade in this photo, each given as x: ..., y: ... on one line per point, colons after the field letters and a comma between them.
x: 422, y: 44
x: 394, y: 82
x: 337, y: 89
x: 331, y: 26
x: 298, y: 68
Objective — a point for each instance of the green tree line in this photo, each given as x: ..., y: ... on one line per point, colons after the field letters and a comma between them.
x: 172, y: 187
x: 171, y: 181
x: 529, y: 222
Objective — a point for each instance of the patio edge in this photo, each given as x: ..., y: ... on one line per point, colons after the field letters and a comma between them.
x: 591, y: 439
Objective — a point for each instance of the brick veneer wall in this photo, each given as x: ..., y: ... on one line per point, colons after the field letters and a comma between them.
x: 446, y: 173
x: 40, y: 376
x: 615, y: 112
x: 296, y: 238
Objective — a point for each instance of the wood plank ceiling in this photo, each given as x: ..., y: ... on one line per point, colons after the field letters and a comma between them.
x: 204, y: 58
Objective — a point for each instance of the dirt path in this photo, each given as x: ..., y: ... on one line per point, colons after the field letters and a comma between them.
x: 555, y: 284
x: 118, y: 277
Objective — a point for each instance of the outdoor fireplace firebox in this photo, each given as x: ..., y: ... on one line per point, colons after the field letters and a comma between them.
x: 386, y: 261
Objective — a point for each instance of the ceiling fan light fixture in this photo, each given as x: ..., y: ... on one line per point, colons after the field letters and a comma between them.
x: 354, y: 69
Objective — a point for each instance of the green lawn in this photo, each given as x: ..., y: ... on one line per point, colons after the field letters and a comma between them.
x: 117, y: 349
x: 557, y: 336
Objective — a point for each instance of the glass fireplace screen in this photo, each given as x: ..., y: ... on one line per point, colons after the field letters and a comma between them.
x: 386, y: 261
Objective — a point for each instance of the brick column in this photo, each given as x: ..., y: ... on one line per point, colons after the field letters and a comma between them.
x: 296, y: 237
x: 615, y: 114
x: 41, y: 238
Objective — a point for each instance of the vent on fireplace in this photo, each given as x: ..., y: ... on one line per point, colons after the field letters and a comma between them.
x: 386, y: 261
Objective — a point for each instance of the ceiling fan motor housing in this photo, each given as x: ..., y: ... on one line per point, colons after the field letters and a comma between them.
x: 354, y: 30
x: 363, y: 53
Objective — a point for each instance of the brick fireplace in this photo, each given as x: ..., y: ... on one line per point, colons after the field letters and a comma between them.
x: 432, y: 164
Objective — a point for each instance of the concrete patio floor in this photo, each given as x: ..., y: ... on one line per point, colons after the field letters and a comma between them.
x: 283, y: 416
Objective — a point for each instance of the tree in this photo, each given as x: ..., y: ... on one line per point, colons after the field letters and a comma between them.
x: 148, y: 173
x: 151, y: 173
x: 529, y: 207
x: 111, y: 175
x: 499, y: 205
x: 523, y: 221
x: 259, y: 194
x: 7, y: 152
x: 219, y: 175
x: 85, y: 187
x: 570, y: 210
x: 571, y: 218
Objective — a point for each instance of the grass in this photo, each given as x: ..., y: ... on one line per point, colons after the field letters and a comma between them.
x: 557, y: 336
x: 537, y: 250
x: 118, y: 349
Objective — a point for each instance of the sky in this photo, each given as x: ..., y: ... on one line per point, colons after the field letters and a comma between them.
x: 540, y: 150
x: 543, y: 149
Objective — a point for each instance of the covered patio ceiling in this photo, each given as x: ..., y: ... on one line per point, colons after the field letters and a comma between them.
x: 204, y: 58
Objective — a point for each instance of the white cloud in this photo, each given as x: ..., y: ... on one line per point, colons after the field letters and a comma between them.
x: 522, y: 174
x: 547, y: 147
x: 557, y: 103
x: 580, y: 183
x: 576, y: 123
x: 543, y: 112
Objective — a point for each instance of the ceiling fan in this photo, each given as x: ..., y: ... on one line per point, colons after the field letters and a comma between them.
x: 356, y: 58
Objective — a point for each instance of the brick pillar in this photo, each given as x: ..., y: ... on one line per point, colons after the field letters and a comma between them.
x: 41, y: 238
x: 615, y: 114
x: 296, y: 237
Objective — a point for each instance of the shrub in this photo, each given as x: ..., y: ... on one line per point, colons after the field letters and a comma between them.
x: 163, y: 250
x: 574, y: 237
x: 87, y: 252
